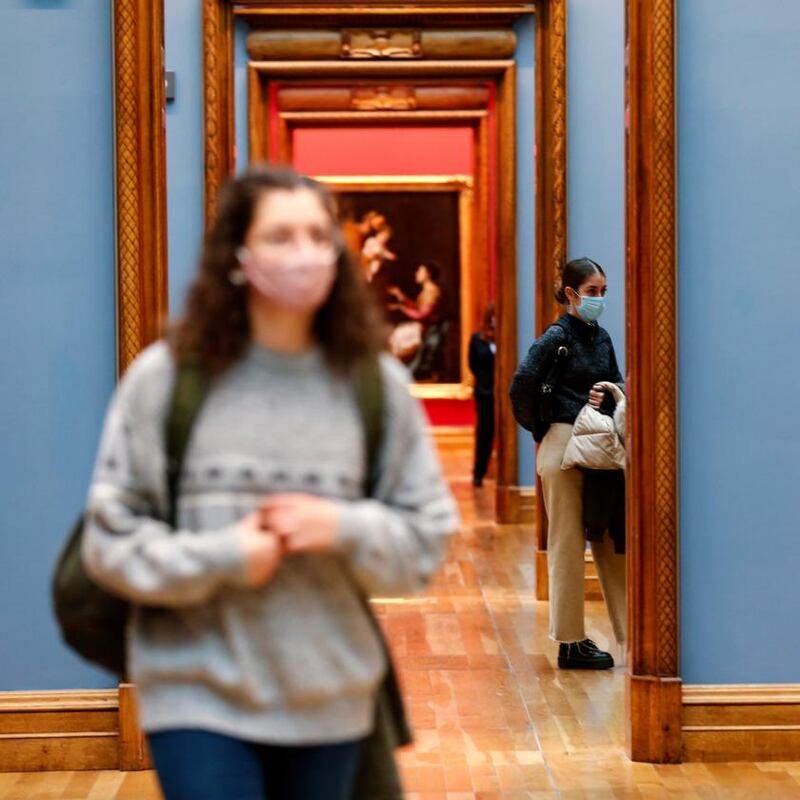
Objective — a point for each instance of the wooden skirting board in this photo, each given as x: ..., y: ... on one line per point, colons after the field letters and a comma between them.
x: 98, y: 729
x: 592, y: 582
x: 515, y: 505
x: 741, y: 723
x: 70, y: 730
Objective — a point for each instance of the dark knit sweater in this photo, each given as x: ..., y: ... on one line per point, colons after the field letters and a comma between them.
x: 591, y: 359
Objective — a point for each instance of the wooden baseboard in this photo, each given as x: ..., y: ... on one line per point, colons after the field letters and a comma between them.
x: 542, y: 587
x: 70, y: 730
x: 592, y: 590
x: 515, y: 505
x: 741, y: 723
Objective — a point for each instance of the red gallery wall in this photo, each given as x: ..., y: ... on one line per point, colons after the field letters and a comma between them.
x: 383, y: 151
x: 392, y: 151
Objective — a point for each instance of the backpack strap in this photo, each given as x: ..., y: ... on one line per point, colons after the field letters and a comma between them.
x: 562, y: 354
x: 371, y: 400
x: 392, y: 729
x: 189, y: 392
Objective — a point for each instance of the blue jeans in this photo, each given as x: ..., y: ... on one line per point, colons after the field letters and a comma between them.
x: 200, y: 765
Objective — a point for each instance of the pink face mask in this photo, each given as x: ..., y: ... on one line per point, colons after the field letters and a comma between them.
x: 302, y: 280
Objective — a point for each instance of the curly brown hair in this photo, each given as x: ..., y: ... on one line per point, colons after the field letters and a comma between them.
x: 215, y: 329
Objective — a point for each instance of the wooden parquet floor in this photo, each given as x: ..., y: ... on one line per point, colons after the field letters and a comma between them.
x: 494, y: 718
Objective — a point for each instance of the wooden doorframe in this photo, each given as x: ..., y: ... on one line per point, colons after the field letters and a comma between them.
x: 141, y: 175
x: 653, y: 681
x: 551, y: 205
x: 496, y: 114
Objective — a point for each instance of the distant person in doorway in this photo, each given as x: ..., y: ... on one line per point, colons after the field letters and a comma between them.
x: 572, y: 356
x: 482, y: 351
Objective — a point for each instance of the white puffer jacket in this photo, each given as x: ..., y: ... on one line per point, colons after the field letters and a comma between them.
x: 598, y: 441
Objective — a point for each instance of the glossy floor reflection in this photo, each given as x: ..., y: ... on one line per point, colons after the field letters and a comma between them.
x: 494, y: 718
x: 488, y: 705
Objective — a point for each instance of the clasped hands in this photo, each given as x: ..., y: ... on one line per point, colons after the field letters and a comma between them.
x: 284, y: 524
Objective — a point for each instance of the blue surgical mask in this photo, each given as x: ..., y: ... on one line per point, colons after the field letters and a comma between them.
x: 591, y: 308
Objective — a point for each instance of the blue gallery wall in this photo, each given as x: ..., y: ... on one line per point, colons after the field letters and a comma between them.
x: 183, y: 55
x: 738, y: 211
x: 525, y: 30
x: 595, y: 165
x: 596, y: 147
x: 739, y: 124
x: 57, y: 318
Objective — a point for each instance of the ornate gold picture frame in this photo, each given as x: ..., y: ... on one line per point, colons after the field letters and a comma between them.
x: 396, y: 199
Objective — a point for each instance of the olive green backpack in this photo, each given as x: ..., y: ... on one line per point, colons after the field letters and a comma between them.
x: 93, y: 621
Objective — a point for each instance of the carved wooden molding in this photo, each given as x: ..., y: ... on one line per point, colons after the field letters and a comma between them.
x: 551, y: 180
x: 402, y: 43
x: 506, y: 300
x: 218, y: 97
x: 289, y: 121
x: 366, y: 11
x: 392, y: 96
x: 384, y: 98
x: 387, y: 43
x: 551, y: 151
x: 652, y: 375
x: 141, y: 176
x: 356, y: 71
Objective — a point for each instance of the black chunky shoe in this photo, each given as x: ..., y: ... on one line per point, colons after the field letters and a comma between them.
x: 583, y: 655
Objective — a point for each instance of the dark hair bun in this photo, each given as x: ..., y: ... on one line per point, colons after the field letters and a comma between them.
x: 574, y: 274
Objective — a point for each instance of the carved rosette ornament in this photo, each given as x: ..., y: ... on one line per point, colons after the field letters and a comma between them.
x: 384, y: 98
x: 381, y: 44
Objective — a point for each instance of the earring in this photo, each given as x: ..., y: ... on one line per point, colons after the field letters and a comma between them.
x: 237, y: 277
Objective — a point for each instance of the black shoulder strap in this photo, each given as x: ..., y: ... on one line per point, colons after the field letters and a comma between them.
x: 391, y: 722
x: 562, y: 353
x: 188, y: 394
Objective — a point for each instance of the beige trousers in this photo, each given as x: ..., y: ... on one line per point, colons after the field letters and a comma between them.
x: 566, y: 545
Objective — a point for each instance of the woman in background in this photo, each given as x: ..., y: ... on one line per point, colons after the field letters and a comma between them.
x: 589, y: 360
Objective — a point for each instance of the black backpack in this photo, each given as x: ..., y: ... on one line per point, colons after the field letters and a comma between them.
x: 92, y: 620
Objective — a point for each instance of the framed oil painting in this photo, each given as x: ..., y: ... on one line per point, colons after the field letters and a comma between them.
x: 411, y: 238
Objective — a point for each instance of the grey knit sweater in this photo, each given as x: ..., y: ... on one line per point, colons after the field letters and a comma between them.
x: 296, y: 661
